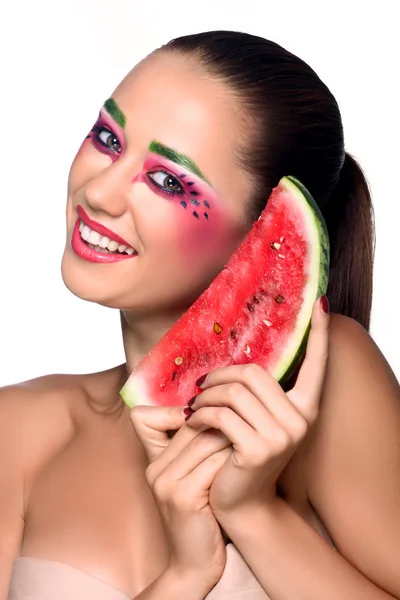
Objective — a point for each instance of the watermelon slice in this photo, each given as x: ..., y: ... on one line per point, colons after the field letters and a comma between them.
x: 257, y: 310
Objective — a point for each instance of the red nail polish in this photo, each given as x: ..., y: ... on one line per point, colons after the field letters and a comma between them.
x: 324, y: 303
x: 189, y: 414
x: 191, y: 401
x: 201, y: 380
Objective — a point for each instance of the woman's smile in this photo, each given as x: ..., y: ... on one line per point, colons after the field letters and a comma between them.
x: 94, y: 242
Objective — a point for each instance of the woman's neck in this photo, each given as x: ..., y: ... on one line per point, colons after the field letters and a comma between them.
x: 141, y: 334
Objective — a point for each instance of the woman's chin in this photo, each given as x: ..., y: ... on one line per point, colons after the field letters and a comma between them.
x: 83, y: 285
x: 82, y: 291
x: 86, y: 284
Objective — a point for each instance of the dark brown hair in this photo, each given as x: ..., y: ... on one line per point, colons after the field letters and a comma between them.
x: 296, y: 129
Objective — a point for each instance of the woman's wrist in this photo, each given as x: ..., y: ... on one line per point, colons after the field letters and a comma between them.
x: 193, y: 585
x: 171, y: 585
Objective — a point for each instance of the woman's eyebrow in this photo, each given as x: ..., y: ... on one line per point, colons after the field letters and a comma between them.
x: 177, y: 157
x: 115, y: 112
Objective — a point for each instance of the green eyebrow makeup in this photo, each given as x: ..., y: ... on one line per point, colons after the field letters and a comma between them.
x: 156, y: 147
x: 180, y: 159
x: 115, y: 112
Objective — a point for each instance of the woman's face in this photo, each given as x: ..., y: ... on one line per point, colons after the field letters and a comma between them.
x: 158, y: 172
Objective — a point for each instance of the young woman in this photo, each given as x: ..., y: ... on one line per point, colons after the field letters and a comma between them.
x: 101, y: 502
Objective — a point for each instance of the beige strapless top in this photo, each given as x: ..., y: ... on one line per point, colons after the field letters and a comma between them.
x: 39, y: 579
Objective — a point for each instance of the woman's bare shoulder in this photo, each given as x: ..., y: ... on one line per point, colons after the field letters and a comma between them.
x: 36, y: 413
x: 358, y: 377
x: 352, y: 345
x: 49, y: 393
x: 48, y: 410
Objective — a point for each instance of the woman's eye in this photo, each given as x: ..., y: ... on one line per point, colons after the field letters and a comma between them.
x: 166, y: 181
x: 107, y: 138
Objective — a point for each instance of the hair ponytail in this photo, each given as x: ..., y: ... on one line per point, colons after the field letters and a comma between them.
x: 349, y: 216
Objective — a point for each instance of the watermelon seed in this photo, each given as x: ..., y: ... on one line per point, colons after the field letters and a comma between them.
x: 174, y: 374
x: 281, y: 239
x: 281, y: 256
x: 195, y: 214
x: 267, y: 323
x: 255, y: 299
x: 280, y: 299
x: 233, y: 334
x: 183, y: 203
x: 206, y: 216
x: 247, y: 351
x: 178, y: 361
x: 206, y: 203
x: 250, y: 307
x: 217, y: 328
x: 275, y: 245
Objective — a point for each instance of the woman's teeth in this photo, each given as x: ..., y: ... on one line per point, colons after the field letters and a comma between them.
x: 101, y: 243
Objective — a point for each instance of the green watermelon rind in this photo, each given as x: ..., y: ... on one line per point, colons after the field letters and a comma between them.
x: 320, y: 224
x: 133, y: 392
x: 317, y: 284
x: 130, y: 394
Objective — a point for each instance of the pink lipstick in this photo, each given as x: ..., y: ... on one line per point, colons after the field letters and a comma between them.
x: 82, y: 249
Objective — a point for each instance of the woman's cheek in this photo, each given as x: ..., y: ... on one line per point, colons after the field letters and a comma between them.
x: 201, y: 239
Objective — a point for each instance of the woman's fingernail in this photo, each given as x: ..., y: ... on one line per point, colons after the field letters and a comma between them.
x: 324, y: 302
x: 191, y: 401
x: 189, y: 412
x: 201, y: 380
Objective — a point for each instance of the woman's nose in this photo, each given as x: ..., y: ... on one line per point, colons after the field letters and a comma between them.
x: 109, y: 191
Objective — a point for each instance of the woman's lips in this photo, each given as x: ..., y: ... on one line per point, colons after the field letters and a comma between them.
x: 83, y: 251
x: 98, y: 227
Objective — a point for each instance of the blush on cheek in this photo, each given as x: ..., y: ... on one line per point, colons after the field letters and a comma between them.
x: 201, y: 240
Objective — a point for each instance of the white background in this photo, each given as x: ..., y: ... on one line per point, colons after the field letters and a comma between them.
x: 61, y: 60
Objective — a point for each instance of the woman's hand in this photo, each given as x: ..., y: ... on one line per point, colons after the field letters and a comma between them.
x: 180, y: 473
x: 265, y: 424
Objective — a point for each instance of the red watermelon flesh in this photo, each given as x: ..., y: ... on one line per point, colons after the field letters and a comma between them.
x: 257, y: 309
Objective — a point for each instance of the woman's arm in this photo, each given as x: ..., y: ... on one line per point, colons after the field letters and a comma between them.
x: 353, y: 481
x: 291, y: 560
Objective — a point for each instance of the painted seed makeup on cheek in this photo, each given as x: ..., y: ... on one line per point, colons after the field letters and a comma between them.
x: 201, y: 238
x: 202, y: 224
